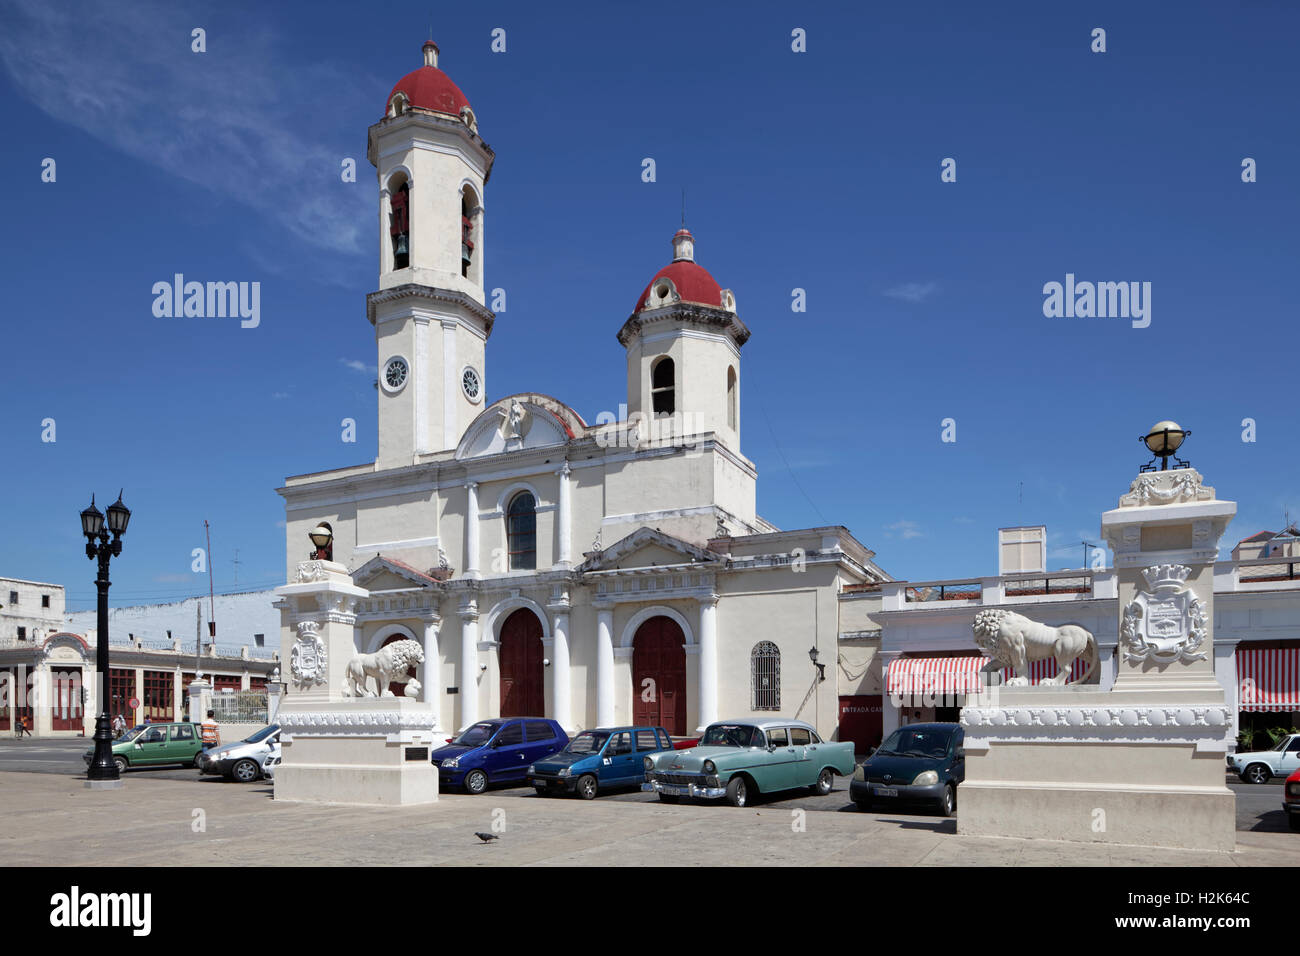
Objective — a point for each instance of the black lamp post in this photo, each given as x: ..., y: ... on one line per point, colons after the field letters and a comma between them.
x: 98, y: 545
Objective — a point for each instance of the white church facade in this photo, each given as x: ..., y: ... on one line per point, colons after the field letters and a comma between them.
x: 599, y: 574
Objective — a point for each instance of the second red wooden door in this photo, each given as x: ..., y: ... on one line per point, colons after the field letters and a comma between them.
x: 523, y: 688
x: 659, y: 675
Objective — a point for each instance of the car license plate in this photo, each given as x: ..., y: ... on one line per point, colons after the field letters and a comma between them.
x: 671, y: 788
x: 885, y: 792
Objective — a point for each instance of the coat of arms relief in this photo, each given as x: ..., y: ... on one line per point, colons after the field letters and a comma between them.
x: 1169, y: 622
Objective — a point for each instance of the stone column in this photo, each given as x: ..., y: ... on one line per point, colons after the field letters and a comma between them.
x: 432, y: 676
x: 45, y: 699
x: 560, y: 675
x: 604, y: 666
x: 178, y: 693
x: 471, y: 532
x: 468, y: 661
x: 708, y: 660
x: 563, y: 519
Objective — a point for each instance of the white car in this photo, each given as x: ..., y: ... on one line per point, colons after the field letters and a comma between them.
x: 271, y: 762
x: 1259, y: 766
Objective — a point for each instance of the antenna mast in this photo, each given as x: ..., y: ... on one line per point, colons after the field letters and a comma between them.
x: 212, y: 613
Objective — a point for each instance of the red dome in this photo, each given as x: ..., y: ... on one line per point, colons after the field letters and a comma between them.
x: 694, y: 284
x: 431, y: 89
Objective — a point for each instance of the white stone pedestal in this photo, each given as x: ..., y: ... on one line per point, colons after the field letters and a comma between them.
x: 336, y: 748
x: 1141, y: 763
x: 363, y: 751
x: 1091, y: 766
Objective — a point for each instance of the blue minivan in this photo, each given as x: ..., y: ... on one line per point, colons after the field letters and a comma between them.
x: 599, y: 759
x: 499, y: 750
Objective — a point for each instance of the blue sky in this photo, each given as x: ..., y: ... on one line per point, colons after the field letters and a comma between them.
x: 816, y: 170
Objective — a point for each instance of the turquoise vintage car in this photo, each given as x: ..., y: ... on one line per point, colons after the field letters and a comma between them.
x: 737, y: 759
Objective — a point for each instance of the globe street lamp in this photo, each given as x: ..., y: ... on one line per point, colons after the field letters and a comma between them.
x: 1162, y: 441
x: 322, y: 536
x: 103, y: 769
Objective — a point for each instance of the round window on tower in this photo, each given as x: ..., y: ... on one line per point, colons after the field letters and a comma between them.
x: 394, y: 375
x: 471, y: 384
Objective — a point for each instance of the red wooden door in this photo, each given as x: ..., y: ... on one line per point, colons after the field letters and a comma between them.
x: 659, y: 675
x: 398, y: 690
x: 861, y: 721
x: 65, y: 687
x: 523, y: 691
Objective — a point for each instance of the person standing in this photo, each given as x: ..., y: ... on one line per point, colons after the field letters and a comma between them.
x: 119, y: 725
x: 211, y: 731
x: 24, y: 726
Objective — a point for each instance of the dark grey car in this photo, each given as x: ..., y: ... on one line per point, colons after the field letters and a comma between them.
x: 919, y: 763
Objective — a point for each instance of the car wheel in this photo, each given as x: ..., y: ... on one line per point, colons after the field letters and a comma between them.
x: 541, y: 790
x: 1294, y: 820
x: 737, y: 791
x: 121, y: 764
x: 586, y: 787
x: 1256, y: 773
x: 668, y: 798
x: 825, y: 782
x: 195, y: 762
x: 475, y: 781
x: 244, y: 771
x: 948, y: 802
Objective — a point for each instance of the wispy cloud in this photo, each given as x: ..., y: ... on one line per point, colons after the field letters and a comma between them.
x: 904, y: 529
x: 228, y: 119
x: 360, y: 366
x: 913, y: 291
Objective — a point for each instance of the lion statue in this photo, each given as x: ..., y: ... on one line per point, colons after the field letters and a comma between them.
x: 1013, y: 640
x: 388, y: 665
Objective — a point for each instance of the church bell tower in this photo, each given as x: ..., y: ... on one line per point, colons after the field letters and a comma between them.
x: 430, y: 315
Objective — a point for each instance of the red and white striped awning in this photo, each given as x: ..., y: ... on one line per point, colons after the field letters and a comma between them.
x: 1268, y: 678
x: 913, y: 676
x: 958, y: 675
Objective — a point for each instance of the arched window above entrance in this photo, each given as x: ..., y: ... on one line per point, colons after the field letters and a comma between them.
x: 521, y: 532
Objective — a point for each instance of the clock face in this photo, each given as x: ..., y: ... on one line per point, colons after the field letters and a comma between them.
x: 469, y: 381
x: 395, y: 373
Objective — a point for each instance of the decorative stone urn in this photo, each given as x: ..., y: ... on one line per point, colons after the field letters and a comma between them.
x: 338, y: 748
x: 1141, y: 762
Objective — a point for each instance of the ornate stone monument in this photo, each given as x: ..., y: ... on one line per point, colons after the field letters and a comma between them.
x: 1141, y: 762
x: 345, y: 737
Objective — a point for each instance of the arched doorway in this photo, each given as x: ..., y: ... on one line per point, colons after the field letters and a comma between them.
x: 399, y: 690
x: 523, y: 691
x: 659, y: 675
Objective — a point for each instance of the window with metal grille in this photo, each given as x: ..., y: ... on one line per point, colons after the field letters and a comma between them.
x: 158, y: 695
x: 765, y: 671
x: 121, y: 688
x: 521, y: 532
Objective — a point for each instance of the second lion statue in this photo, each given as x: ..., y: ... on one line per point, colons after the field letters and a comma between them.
x: 388, y: 665
x: 1013, y: 640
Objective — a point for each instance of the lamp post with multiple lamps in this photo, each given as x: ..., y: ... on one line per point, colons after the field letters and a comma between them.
x: 103, y: 770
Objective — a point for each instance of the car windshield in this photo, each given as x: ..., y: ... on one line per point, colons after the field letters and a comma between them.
x: 133, y: 733
x: 587, y: 742
x: 1281, y: 744
x: 262, y: 734
x: 477, y: 735
x: 732, y: 735
x: 906, y: 742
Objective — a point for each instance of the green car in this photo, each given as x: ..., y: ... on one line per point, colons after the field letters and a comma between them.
x: 151, y: 744
x: 737, y: 759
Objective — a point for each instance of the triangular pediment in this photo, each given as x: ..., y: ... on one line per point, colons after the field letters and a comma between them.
x: 388, y: 574
x: 648, y: 548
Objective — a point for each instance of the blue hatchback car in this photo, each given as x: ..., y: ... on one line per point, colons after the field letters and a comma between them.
x: 599, y: 760
x: 499, y: 750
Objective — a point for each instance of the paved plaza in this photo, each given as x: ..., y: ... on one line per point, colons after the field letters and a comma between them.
x: 51, y: 818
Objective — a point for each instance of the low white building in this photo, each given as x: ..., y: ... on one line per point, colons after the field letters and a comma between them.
x: 48, y: 658
x: 920, y: 657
